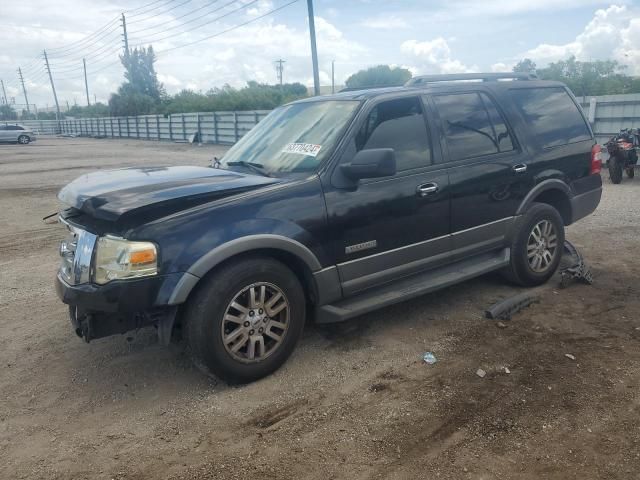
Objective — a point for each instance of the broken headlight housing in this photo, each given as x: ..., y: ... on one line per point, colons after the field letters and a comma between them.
x: 117, y: 258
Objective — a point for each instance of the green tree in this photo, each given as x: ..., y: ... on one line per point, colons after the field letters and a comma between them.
x: 254, y: 96
x: 142, y: 93
x: 599, y: 77
x: 95, y: 110
x: 7, y: 112
x: 379, y: 76
x: 526, y: 65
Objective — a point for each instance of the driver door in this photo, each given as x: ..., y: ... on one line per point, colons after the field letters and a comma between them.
x: 387, y: 228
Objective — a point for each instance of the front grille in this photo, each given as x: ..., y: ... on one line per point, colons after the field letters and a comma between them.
x: 76, y: 252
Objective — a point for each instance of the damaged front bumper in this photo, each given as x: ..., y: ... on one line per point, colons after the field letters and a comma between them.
x: 119, y: 307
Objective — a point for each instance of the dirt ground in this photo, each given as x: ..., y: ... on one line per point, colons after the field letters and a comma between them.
x: 354, y: 401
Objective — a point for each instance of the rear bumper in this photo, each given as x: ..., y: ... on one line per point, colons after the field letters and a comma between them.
x: 585, y: 203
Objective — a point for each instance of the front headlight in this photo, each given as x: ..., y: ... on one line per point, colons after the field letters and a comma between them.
x: 117, y: 258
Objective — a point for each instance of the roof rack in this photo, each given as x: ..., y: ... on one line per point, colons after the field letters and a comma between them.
x: 457, y: 77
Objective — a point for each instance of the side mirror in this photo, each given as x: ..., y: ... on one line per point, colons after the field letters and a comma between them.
x: 374, y: 163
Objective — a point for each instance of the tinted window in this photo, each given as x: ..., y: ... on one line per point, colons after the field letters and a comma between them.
x: 398, y: 124
x: 473, y: 126
x: 14, y: 127
x: 551, y: 115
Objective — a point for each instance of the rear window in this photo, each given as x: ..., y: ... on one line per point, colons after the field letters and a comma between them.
x: 552, y: 115
x: 472, y: 125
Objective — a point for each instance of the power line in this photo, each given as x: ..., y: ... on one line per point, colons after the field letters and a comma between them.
x: 91, y: 36
x: 229, y: 29
x: 160, y: 13
x: 143, y: 6
x: 153, y: 39
x: 178, y: 18
x: 151, y: 9
x: 98, y: 40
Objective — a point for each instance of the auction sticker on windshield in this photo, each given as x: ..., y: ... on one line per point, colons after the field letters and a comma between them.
x: 302, y: 148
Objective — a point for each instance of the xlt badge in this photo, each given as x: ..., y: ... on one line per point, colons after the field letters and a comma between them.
x: 358, y: 247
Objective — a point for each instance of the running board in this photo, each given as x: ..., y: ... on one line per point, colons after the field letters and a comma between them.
x: 411, y: 287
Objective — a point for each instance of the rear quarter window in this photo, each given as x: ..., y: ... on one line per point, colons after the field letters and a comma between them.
x: 551, y: 115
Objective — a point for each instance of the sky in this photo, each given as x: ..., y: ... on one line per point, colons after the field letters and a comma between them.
x: 202, y: 44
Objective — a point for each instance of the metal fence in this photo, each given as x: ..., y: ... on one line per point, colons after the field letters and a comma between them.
x: 607, y: 115
x: 211, y: 127
x: 610, y: 113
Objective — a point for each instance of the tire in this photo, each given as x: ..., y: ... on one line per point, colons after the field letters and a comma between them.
x: 615, y: 170
x: 631, y: 172
x: 23, y: 139
x: 212, y: 314
x: 522, y: 267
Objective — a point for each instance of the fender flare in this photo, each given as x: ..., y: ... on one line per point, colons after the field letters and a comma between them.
x: 234, y: 247
x: 545, y: 185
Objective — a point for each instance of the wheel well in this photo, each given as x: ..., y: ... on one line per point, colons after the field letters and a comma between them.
x: 291, y: 261
x: 558, y: 200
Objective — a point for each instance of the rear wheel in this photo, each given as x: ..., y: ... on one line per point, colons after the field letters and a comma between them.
x: 631, y: 172
x: 24, y: 139
x: 615, y: 170
x: 246, y: 319
x: 537, y: 245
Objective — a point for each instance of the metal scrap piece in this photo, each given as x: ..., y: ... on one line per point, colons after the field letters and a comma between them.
x: 504, y: 309
x: 578, y: 270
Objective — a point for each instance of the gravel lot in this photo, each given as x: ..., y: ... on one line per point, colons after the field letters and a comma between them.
x: 355, y: 401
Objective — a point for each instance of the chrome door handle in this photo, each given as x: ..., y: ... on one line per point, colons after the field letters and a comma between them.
x: 521, y: 168
x: 427, y: 189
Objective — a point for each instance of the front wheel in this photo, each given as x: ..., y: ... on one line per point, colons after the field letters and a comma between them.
x: 23, y: 139
x: 631, y: 172
x: 537, y: 245
x: 245, y: 319
x: 615, y: 170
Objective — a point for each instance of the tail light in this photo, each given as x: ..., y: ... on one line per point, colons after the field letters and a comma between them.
x: 596, y: 160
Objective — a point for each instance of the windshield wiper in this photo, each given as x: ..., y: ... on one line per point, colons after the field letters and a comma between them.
x: 253, y: 166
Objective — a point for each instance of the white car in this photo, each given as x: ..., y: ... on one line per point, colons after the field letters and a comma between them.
x: 16, y: 133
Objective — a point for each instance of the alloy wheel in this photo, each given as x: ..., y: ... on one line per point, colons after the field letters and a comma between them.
x: 255, y: 322
x: 542, y: 246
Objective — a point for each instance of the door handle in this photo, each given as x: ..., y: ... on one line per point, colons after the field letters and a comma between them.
x: 427, y: 189
x: 520, y: 168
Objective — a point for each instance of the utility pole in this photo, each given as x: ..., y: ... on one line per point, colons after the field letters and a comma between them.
x: 86, y: 84
x: 125, y: 37
x: 279, y: 69
x: 333, y: 76
x: 67, y: 106
x: 24, y: 90
x: 55, y: 96
x: 314, y: 50
x: 4, y: 93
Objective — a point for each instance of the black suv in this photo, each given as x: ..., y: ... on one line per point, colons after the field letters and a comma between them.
x: 331, y: 207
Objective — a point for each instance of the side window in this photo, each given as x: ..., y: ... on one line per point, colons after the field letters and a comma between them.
x: 472, y: 125
x: 551, y: 115
x: 397, y: 124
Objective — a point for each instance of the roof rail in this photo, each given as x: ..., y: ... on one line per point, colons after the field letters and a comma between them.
x: 367, y: 87
x: 457, y: 77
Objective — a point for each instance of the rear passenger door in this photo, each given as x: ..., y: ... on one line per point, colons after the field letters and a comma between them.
x: 386, y: 228
x: 488, y: 171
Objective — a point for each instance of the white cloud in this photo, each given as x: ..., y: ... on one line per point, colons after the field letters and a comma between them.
x: 434, y: 56
x: 514, y: 7
x: 613, y: 33
x: 501, y: 67
x: 384, y: 23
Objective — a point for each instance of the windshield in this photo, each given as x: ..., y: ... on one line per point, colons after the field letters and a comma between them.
x: 293, y: 138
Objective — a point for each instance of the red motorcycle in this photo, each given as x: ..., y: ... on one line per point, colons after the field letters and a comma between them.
x: 622, y: 154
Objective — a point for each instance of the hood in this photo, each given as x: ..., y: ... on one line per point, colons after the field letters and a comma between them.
x: 111, y: 194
